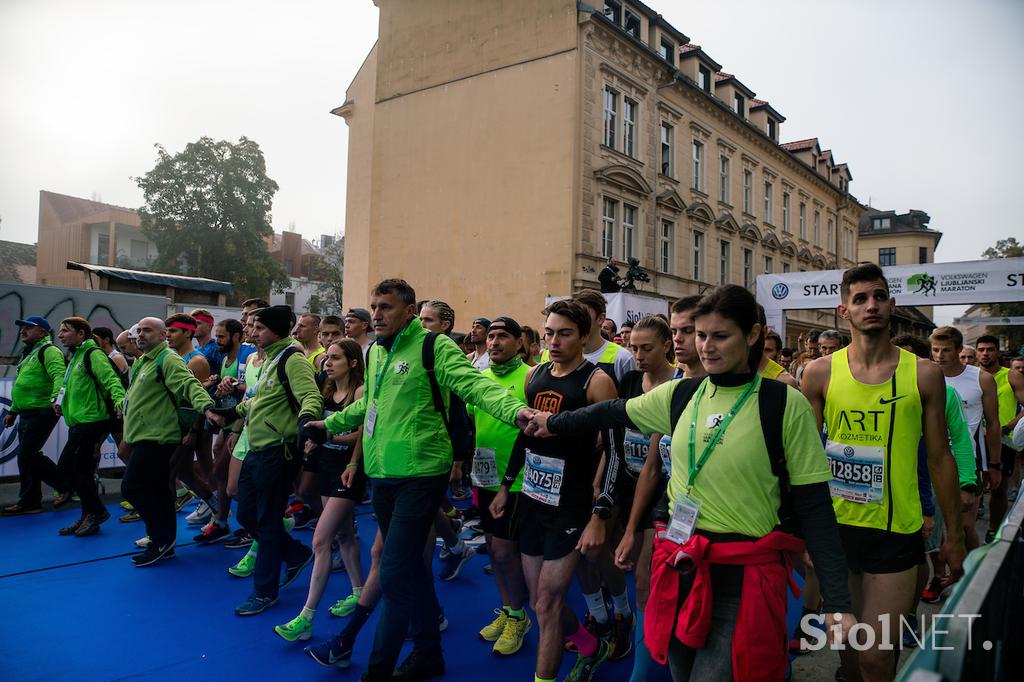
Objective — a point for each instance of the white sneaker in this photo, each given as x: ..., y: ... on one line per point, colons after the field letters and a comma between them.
x: 142, y: 543
x: 200, y: 516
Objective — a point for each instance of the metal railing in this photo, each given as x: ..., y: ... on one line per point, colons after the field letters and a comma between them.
x: 979, y: 634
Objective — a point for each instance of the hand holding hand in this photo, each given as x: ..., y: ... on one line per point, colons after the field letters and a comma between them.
x: 539, y: 425
x: 523, y: 418
x: 845, y: 621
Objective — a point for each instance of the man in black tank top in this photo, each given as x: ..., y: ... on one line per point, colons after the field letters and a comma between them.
x: 560, y: 518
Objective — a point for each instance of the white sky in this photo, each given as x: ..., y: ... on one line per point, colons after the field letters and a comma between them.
x: 921, y: 97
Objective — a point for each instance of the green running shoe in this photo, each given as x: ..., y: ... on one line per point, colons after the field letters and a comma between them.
x: 245, y: 566
x: 585, y: 666
x: 345, y: 607
x: 298, y: 628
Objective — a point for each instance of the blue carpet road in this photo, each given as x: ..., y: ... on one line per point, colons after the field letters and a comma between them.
x: 77, y: 609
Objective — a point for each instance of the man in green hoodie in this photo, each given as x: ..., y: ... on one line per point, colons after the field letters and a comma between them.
x: 40, y: 371
x: 408, y: 454
x: 89, y: 400
x: 160, y: 382
x: 275, y: 415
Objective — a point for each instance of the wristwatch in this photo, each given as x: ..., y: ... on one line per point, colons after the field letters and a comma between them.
x: 603, y: 513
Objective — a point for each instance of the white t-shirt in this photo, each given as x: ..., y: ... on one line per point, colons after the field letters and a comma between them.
x: 481, y: 362
x: 624, y: 361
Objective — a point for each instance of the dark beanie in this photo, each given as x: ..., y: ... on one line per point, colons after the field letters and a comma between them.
x: 276, y: 318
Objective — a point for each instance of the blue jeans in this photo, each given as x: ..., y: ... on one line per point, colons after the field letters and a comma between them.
x: 405, y: 509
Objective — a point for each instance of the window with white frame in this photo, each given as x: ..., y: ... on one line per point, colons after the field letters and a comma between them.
x: 668, y: 238
x: 723, y: 179
x: 881, y: 223
x: 611, y: 116
x: 785, y: 211
x: 724, y: 253
x: 817, y: 228
x: 768, y: 202
x: 704, y: 78
x: 613, y: 11
x: 628, y: 230
x: 748, y: 268
x: 748, y: 192
x: 773, y: 128
x: 609, y: 215
x: 632, y: 24
x: 698, y: 256
x: 803, y: 220
x: 769, y: 267
x: 666, y: 150
x: 698, y: 166
x: 629, y: 127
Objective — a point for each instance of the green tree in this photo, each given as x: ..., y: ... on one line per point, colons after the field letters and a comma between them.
x: 1007, y: 248
x: 207, y: 209
x: 328, y: 269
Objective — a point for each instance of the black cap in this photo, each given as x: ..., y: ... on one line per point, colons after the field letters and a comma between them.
x: 482, y: 321
x: 276, y: 318
x: 506, y: 324
x: 359, y: 313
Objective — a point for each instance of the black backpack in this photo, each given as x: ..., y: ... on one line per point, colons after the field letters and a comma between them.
x: 457, y: 423
x: 772, y: 407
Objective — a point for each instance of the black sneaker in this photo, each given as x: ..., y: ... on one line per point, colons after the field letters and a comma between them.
x: 254, y: 605
x: 153, y: 554
x: 292, y: 572
x: 418, y: 666
x: 20, y: 509
x: 73, y: 528
x: 240, y: 540
x: 211, y: 534
x: 91, y: 524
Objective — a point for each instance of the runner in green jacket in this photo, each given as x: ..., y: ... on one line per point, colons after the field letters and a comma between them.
x: 40, y: 371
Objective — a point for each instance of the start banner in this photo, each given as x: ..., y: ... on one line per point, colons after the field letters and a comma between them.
x: 626, y: 307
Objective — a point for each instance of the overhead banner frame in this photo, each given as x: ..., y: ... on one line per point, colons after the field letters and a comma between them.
x: 999, y: 280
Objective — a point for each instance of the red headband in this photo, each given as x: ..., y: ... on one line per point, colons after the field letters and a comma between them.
x: 183, y: 325
x: 208, y: 319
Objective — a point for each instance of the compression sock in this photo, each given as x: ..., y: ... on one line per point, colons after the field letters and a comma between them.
x: 586, y: 643
x: 307, y: 613
x: 596, y: 606
x: 357, y: 590
x: 356, y: 622
x: 641, y: 654
x: 620, y: 602
x: 518, y: 614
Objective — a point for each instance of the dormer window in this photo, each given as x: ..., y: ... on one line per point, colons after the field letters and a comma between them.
x: 773, y: 129
x: 613, y: 11
x: 632, y: 24
x: 739, y: 105
x: 667, y: 50
x: 881, y: 223
x: 704, y: 78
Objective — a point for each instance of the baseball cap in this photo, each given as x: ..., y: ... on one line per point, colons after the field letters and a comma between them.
x: 482, y: 321
x: 359, y: 313
x: 506, y: 324
x: 34, y: 321
x: 133, y: 331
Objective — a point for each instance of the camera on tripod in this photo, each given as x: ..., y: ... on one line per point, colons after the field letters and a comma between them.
x: 634, y: 274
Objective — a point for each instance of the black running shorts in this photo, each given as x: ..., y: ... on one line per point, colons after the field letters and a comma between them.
x: 548, y: 532
x: 507, y: 527
x: 870, y: 550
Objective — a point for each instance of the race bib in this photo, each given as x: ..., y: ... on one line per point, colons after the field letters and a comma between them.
x: 485, y: 468
x: 635, y: 446
x: 683, y: 521
x: 858, y: 472
x: 665, y: 452
x: 542, y: 480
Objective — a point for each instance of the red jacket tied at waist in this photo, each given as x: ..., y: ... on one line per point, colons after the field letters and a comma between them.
x: 759, y: 643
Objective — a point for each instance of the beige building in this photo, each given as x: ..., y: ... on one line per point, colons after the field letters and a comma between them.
x: 500, y: 152
x: 72, y: 229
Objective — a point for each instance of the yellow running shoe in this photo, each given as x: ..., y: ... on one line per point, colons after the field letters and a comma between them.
x: 493, y: 631
x: 512, y: 636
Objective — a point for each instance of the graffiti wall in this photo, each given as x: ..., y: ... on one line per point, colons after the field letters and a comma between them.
x: 102, y: 308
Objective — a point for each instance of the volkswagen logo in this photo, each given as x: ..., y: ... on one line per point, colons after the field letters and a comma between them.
x: 780, y: 291
x: 848, y: 452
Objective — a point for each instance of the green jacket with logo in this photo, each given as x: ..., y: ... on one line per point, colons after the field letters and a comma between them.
x: 270, y: 419
x: 149, y: 413
x: 84, y: 400
x: 37, y: 384
x: 408, y: 438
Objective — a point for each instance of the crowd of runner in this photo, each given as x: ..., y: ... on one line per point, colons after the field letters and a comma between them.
x: 692, y: 449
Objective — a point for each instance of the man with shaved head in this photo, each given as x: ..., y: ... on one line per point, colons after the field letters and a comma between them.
x: 160, y: 382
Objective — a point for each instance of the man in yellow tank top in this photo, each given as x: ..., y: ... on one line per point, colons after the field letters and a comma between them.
x: 875, y: 402
x: 1009, y: 393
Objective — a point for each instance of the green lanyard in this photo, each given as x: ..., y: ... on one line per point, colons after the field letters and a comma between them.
x: 696, y: 466
x: 75, y: 359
